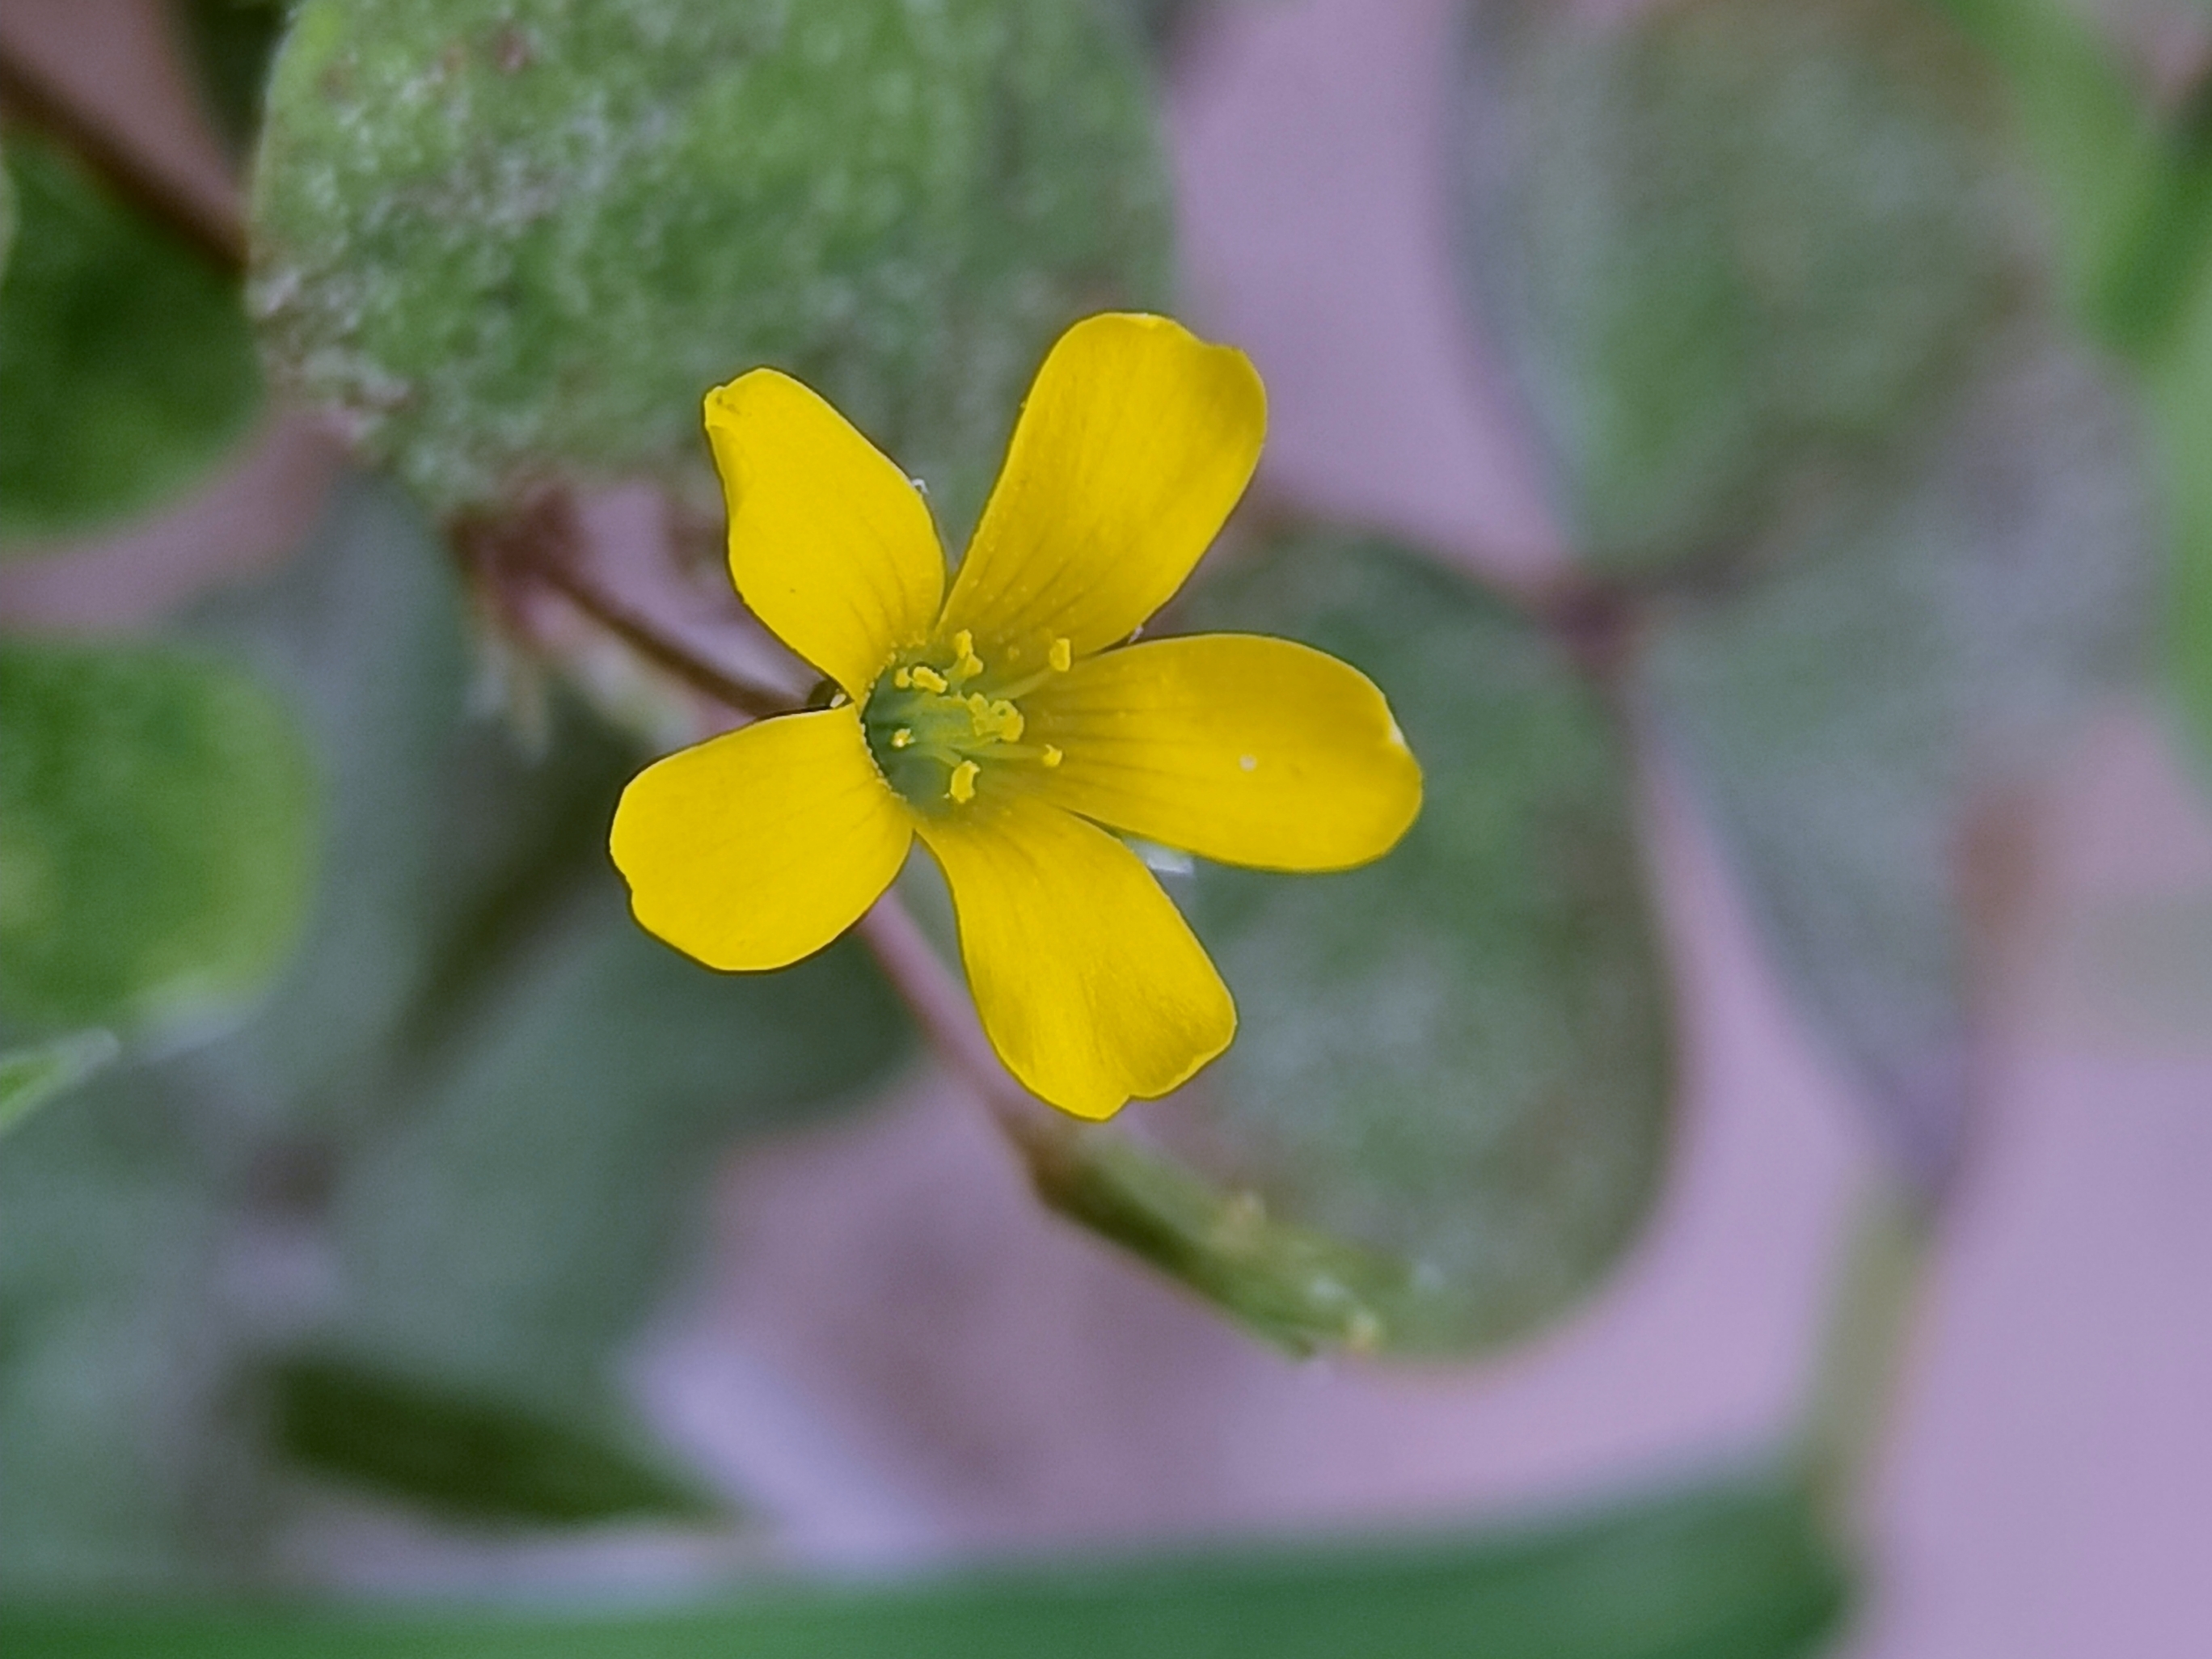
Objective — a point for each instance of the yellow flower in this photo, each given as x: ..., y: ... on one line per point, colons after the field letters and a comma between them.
x: 1005, y: 723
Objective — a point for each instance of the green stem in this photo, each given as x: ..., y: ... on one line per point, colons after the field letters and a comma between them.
x: 1863, y: 1346
x: 947, y: 1019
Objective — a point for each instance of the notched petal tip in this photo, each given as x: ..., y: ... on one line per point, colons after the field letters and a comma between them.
x: 829, y: 545
x: 726, y: 402
x: 1133, y: 445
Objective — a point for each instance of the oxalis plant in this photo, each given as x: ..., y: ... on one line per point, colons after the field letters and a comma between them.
x: 1867, y: 349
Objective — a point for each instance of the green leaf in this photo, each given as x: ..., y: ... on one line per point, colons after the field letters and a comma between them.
x: 509, y: 1228
x: 521, y: 1093
x: 157, y: 814
x: 1855, y: 718
x: 507, y: 240
x: 2181, y: 397
x: 1732, y: 251
x: 33, y: 1074
x: 233, y: 43
x: 2131, y: 187
x: 126, y: 365
x: 1459, y: 1057
x: 482, y: 1103
x: 123, y: 1430
x: 1160, y: 24
x: 1721, y: 1572
x: 7, y: 215
x: 477, y: 1458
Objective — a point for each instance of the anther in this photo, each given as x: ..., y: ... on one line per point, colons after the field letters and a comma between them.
x: 1052, y: 756
x: 962, y: 788
x: 903, y: 678
x: 966, y: 664
x: 903, y: 737
x: 928, y: 679
x: 1061, y: 656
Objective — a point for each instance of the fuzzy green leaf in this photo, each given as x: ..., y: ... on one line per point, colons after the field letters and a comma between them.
x: 1854, y: 716
x: 1731, y: 250
x: 2131, y: 187
x: 1457, y: 1060
x: 509, y: 241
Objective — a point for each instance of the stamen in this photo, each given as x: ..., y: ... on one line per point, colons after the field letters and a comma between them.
x: 928, y: 679
x: 1008, y: 718
x: 1061, y: 656
x: 903, y: 737
x: 1027, y: 684
x: 903, y: 678
x: 962, y: 788
x: 1052, y: 756
x: 966, y: 664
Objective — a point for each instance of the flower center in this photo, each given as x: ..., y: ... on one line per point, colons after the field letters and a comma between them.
x: 939, y: 721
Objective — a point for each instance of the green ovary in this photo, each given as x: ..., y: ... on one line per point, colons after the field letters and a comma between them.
x: 938, y: 721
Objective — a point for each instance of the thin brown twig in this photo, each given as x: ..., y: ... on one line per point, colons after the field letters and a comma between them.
x: 638, y: 631
x: 948, y: 1020
x: 540, y: 541
x: 217, y: 233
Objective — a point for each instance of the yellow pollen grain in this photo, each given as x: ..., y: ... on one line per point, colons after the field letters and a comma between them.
x: 1061, y: 656
x: 1052, y: 756
x: 903, y: 737
x: 929, y: 679
x: 963, y: 786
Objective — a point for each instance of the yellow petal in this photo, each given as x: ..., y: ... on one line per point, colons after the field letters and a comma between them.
x: 1136, y: 442
x: 1244, y: 750
x: 1091, y: 986
x: 829, y: 544
x: 757, y: 847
